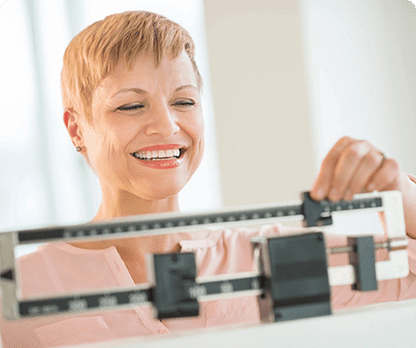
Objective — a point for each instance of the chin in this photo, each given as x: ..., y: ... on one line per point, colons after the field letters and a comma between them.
x: 164, y: 191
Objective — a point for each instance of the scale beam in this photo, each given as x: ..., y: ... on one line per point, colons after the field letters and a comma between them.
x: 311, y: 212
x: 195, y: 289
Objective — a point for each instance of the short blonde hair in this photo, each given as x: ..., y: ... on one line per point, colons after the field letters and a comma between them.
x: 95, y: 52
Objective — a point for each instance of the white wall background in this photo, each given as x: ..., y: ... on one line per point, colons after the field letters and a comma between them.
x: 260, y: 99
x: 43, y: 180
x: 361, y: 74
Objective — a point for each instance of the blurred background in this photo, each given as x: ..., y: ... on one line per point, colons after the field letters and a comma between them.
x: 283, y: 81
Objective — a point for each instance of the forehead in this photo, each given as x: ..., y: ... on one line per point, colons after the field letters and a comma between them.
x: 144, y: 74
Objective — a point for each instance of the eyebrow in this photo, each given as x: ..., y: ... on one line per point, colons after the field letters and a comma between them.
x: 186, y: 86
x: 142, y: 91
x: 126, y: 90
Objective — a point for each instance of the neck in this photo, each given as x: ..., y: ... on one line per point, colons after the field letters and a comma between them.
x: 122, y: 203
x: 133, y: 251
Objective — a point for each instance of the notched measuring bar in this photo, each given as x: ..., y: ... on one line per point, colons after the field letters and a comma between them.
x: 312, y: 212
x: 139, y: 295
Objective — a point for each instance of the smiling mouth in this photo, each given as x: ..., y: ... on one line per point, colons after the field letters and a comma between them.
x: 159, y: 155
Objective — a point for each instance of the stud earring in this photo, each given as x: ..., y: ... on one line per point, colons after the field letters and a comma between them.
x: 78, y: 148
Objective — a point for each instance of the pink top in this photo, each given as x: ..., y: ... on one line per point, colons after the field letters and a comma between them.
x: 58, y: 268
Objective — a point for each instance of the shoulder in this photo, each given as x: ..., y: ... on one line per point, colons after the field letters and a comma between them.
x: 34, y: 279
x: 59, y: 267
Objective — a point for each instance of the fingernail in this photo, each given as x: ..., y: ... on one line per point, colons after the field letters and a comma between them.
x: 371, y: 187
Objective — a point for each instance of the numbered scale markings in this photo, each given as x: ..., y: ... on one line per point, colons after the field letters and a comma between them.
x: 84, y: 302
x: 176, y: 222
x: 140, y: 297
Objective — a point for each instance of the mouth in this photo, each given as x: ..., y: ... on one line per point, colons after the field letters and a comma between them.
x: 160, y: 155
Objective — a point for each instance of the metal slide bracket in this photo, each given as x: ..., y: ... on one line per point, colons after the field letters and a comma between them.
x: 254, y: 283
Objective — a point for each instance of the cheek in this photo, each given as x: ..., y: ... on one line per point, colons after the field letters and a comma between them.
x: 103, y: 146
x: 201, y: 150
x: 195, y: 127
x: 196, y: 131
x: 201, y: 135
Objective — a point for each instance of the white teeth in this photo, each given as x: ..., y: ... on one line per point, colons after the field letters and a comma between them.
x: 157, y: 155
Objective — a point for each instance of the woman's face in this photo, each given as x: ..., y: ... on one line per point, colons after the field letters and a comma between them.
x: 146, y: 135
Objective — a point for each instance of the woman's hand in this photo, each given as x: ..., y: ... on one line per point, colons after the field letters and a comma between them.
x: 356, y: 166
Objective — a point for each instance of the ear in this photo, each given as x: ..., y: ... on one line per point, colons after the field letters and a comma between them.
x: 72, y: 124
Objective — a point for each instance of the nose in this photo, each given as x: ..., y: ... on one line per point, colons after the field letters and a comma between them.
x: 162, y: 122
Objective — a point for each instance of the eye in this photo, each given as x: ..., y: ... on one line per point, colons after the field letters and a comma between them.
x: 131, y: 107
x: 184, y: 103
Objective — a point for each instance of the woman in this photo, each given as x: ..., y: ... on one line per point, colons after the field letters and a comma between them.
x: 131, y: 94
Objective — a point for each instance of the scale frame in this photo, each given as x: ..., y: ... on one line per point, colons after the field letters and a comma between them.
x: 14, y: 307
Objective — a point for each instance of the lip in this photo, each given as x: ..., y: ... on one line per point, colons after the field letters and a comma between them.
x: 163, y: 164
x: 162, y: 147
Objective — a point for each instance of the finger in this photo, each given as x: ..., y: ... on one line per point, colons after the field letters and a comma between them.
x: 320, y: 188
x: 369, y: 166
x: 347, y: 167
x: 386, y: 178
